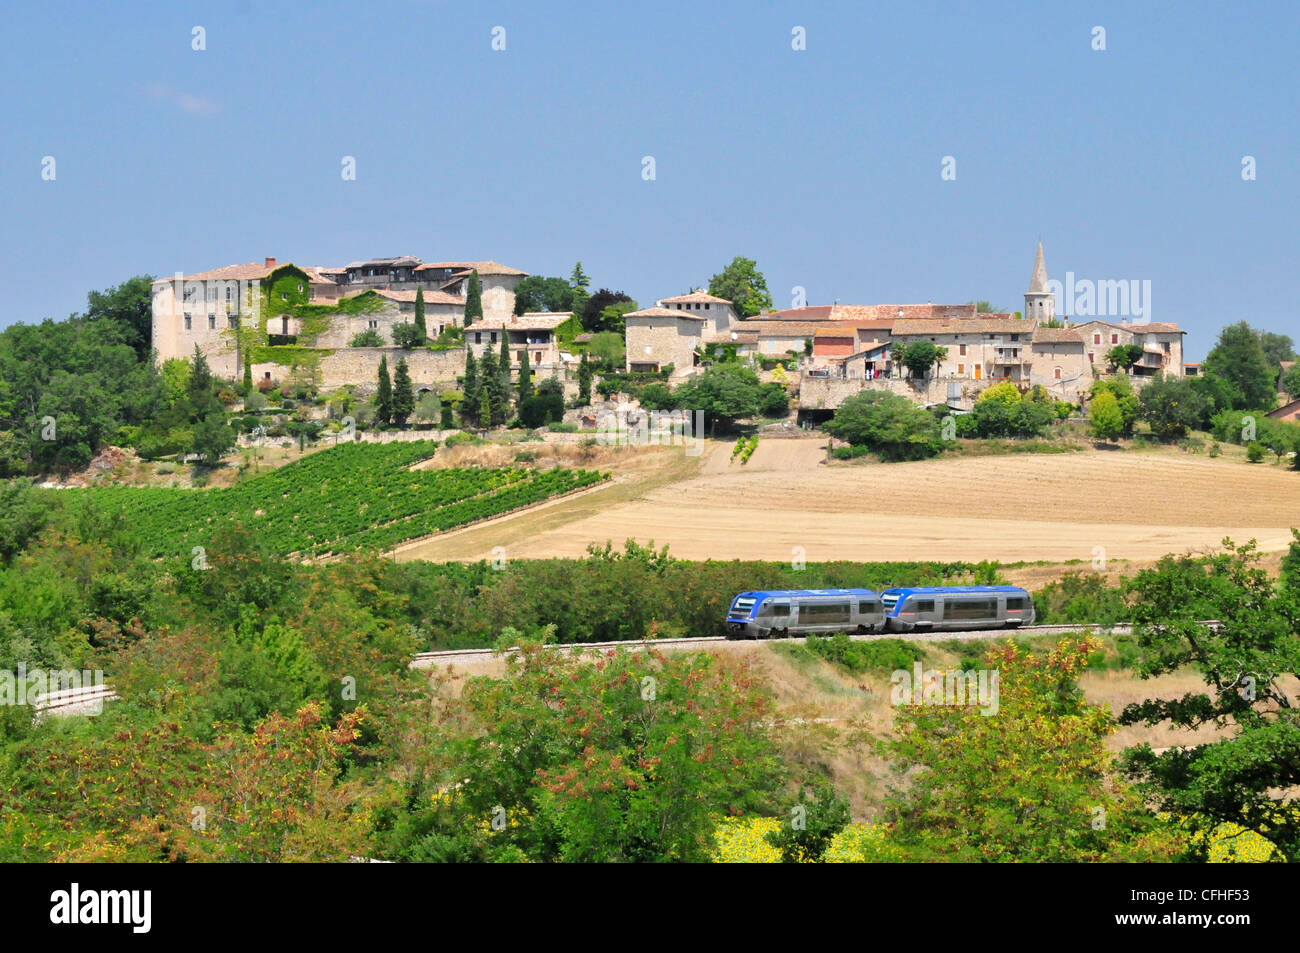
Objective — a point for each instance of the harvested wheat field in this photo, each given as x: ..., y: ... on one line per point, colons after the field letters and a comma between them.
x: 1054, y: 507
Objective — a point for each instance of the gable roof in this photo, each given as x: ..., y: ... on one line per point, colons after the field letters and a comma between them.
x: 667, y: 313
x: 984, y: 324
x: 1285, y: 409
x: 1057, y: 336
x: 465, y: 267
x: 698, y: 295
x: 532, y: 321
x: 430, y: 297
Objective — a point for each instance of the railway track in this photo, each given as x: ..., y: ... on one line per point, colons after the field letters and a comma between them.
x: 74, y: 701
x: 452, y: 656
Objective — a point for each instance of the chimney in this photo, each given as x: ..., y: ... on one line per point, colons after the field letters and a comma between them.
x: 270, y: 263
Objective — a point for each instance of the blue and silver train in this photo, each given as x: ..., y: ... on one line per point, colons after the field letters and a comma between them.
x: 768, y: 613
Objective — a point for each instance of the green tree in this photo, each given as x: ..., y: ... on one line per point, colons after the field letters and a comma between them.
x: 1104, y: 416
x: 403, y: 394
x: 384, y: 394
x: 1238, y: 358
x: 419, y: 315
x: 469, y: 405
x: 201, y: 392
x: 1025, y: 784
x: 1122, y: 390
x: 408, y: 336
x: 367, y: 338
x: 474, y: 299
x: 743, y: 285
x: 724, y: 392
x: 919, y: 356
x: 493, y: 400
x: 248, y: 373
x: 129, y: 305
x: 1124, y: 356
x: 584, y: 380
x: 609, y: 349
x: 525, y: 378
x: 1171, y: 406
x: 1245, y: 657
x: 1291, y: 382
x: 629, y: 759
x: 889, y: 425
x: 212, y: 438
x: 537, y: 293
x: 1277, y: 348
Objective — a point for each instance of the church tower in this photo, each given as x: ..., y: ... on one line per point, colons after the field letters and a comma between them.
x: 1040, y: 303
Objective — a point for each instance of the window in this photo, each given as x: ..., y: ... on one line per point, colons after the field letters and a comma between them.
x: 1096, y: 339
x: 267, y: 375
x: 229, y: 291
x: 1114, y: 339
x: 284, y: 325
x: 824, y: 613
x: 189, y: 321
x: 1166, y: 346
x: 212, y: 322
x: 956, y: 608
x: 373, y: 324
x: 961, y: 368
x: 921, y: 605
x: 1058, y: 373
x: 478, y: 337
x: 963, y: 350
x: 706, y: 306
x: 866, y: 608
x: 1092, y: 358
x: 780, y: 610
x: 1015, y: 337
x: 1016, y: 603
x: 232, y: 320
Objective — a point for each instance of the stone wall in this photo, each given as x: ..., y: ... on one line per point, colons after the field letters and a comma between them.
x: 435, y: 370
x: 821, y: 393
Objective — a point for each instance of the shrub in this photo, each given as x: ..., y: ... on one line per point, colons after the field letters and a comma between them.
x: 890, y: 425
x: 857, y: 657
x: 408, y: 336
x: 367, y: 338
x: 1255, y: 451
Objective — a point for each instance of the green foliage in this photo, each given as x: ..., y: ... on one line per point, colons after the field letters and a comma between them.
x: 743, y: 285
x: 879, y: 655
x: 815, y: 820
x: 890, y: 425
x: 525, y: 378
x: 367, y: 338
x: 1125, y: 401
x: 1291, y: 382
x: 384, y: 395
x: 584, y: 380
x: 1000, y: 411
x: 919, y: 356
x: 657, y: 396
x: 1026, y: 785
x: 627, y: 758
x: 724, y: 392
x: 349, y: 497
x: 474, y: 299
x: 1246, y: 660
x: 1124, y: 356
x: 408, y: 336
x: 773, y: 401
x: 1081, y: 597
x: 472, y: 388
x: 420, y: 324
x: 539, y: 294
x: 403, y: 394
x: 1255, y: 451
x: 608, y: 349
x: 1003, y: 393
x: 1105, y: 420
x: 1239, y: 360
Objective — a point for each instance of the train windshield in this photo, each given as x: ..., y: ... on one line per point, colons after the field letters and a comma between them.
x: 741, y: 606
x: 889, y: 600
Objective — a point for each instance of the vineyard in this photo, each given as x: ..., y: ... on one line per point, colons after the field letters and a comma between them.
x: 351, y: 497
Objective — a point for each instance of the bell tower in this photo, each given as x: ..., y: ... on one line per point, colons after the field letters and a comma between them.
x: 1040, y: 303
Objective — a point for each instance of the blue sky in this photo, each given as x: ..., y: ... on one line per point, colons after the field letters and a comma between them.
x: 823, y: 164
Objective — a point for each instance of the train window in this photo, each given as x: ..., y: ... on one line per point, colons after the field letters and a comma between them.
x: 779, y: 609
x: 865, y: 608
x: 825, y: 613
x: 921, y: 605
x: 970, y: 608
x: 1016, y: 602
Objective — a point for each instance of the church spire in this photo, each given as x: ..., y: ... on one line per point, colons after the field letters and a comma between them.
x: 1040, y: 303
x: 1038, y: 283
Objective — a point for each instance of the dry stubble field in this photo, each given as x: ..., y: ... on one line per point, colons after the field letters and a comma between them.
x: 1024, y: 507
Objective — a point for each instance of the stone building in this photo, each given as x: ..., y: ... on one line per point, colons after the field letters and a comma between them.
x: 534, y: 333
x: 671, y: 332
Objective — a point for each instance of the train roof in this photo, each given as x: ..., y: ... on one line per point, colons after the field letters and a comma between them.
x: 760, y: 593
x: 910, y: 590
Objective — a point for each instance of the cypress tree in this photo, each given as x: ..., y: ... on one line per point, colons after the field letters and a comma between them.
x: 490, y: 390
x: 525, y: 379
x: 384, y: 395
x: 474, y: 299
x: 469, y: 405
x: 403, y: 394
x: 248, y: 373
x: 584, y: 380
x: 419, y: 315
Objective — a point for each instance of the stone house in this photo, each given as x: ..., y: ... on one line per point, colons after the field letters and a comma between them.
x: 534, y: 333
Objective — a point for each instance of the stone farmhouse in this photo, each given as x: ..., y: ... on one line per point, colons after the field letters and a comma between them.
x: 285, y: 320
x: 533, y: 333
x: 670, y: 333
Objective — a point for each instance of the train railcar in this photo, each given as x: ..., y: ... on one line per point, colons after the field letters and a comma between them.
x: 759, y: 615
x: 956, y: 607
